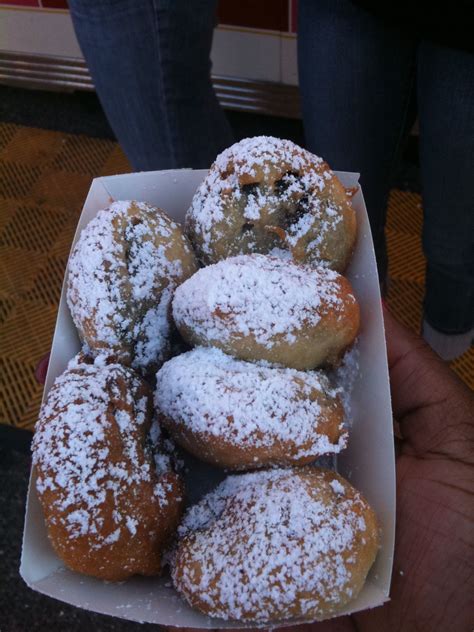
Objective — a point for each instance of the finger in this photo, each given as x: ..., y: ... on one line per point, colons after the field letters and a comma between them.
x: 413, y: 369
x: 42, y: 369
x: 428, y: 400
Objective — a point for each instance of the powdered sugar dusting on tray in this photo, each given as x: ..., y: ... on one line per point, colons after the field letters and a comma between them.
x: 276, y: 540
x: 255, y: 294
x: 344, y: 378
x: 248, y: 404
x: 71, y: 448
x: 303, y: 181
x: 122, y: 273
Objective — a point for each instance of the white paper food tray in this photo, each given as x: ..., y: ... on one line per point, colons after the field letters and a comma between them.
x: 368, y: 462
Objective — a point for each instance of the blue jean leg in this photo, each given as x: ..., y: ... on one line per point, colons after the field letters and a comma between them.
x: 356, y: 79
x: 446, y: 110
x: 150, y: 63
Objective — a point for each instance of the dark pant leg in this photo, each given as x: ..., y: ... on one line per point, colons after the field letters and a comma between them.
x: 149, y: 60
x: 356, y: 79
x: 446, y: 110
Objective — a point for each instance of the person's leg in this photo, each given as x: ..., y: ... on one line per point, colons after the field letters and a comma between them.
x: 446, y: 109
x: 356, y: 79
x: 149, y: 60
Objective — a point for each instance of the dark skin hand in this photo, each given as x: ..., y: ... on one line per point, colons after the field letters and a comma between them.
x: 433, y: 575
x: 433, y: 578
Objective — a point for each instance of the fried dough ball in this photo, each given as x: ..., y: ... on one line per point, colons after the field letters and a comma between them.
x: 264, y: 193
x: 239, y: 415
x: 257, y: 307
x: 276, y: 545
x: 109, y: 496
x: 122, y: 274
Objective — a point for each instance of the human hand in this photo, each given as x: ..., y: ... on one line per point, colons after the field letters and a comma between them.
x: 432, y: 584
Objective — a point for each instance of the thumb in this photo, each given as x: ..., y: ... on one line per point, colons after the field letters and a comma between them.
x: 431, y: 404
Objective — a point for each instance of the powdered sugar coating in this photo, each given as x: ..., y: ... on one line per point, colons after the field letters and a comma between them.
x: 264, y: 297
x: 264, y: 182
x: 345, y: 377
x: 276, y: 545
x: 81, y: 475
x: 289, y: 414
x: 255, y: 293
x: 122, y: 274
